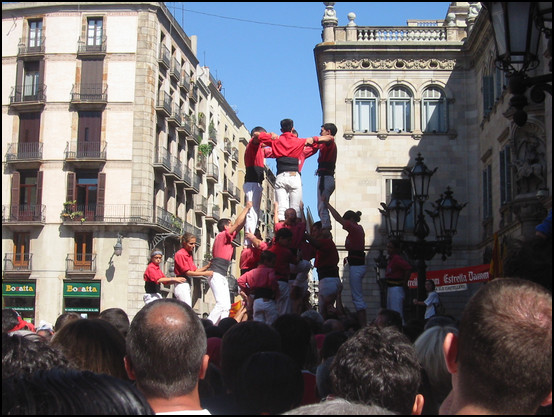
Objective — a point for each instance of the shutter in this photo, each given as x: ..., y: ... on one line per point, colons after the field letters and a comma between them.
x: 14, y: 215
x: 100, y: 198
x: 70, y: 196
x: 38, y: 210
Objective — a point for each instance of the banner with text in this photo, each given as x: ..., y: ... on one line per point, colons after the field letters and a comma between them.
x: 456, y: 279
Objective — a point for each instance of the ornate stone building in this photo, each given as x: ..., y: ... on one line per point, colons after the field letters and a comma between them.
x: 431, y: 88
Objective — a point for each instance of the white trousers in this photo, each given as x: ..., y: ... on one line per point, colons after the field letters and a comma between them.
x: 356, y: 273
x: 182, y: 292
x: 220, y: 289
x: 265, y: 311
x: 328, y: 184
x: 284, y: 305
x: 288, y: 192
x: 253, y: 193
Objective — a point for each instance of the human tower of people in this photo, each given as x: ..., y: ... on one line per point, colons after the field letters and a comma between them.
x: 274, y: 275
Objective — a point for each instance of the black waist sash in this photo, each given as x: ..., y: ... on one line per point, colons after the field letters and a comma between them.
x: 287, y: 164
x: 263, y: 293
x: 328, y: 272
x: 254, y: 174
x: 326, y: 168
x: 150, y: 287
x: 356, y: 257
x: 220, y: 265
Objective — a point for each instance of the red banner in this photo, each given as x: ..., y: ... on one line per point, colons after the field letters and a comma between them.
x: 457, y: 277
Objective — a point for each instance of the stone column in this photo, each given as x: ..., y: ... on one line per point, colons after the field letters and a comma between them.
x: 329, y: 22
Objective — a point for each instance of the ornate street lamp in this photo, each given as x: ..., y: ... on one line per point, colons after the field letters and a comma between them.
x: 518, y: 27
x: 445, y: 214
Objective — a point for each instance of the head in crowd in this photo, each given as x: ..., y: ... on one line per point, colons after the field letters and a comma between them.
x: 501, y: 361
x: 330, y: 127
x: 353, y: 216
x: 222, y: 224
x: 23, y: 355
x: 12, y: 321
x: 529, y: 259
x: 268, y: 383
x: 71, y: 392
x: 386, y: 318
x: 339, y: 406
x: 257, y: 129
x: 296, y: 337
x: 287, y: 125
x: 92, y: 345
x: 429, y: 350
x: 162, y: 334
x: 118, y: 318
x: 378, y: 366
x: 65, y: 318
x: 241, y: 341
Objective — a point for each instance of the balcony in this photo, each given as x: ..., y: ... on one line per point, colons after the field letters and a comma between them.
x: 18, y: 214
x: 177, y: 168
x: 185, y: 127
x: 193, y: 93
x: 80, y: 151
x: 227, y: 146
x: 18, y: 263
x: 164, y: 57
x: 201, y: 205
x: 184, y: 83
x: 212, y: 174
x: 175, y: 72
x: 80, y: 264
x: 234, y: 155
x: 24, y: 152
x: 32, y: 49
x: 175, y: 117
x: 168, y: 220
x: 162, y: 160
x: 201, y: 163
x: 213, y: 214
x: 192, y: 182
x: 95, y: 49
x: 163, y: 106
x: 28, y: 97
x: 89, y: 96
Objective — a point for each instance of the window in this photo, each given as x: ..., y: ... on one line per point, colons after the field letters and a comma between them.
x: 21, y: 249
x: 365, y: 109
x: 83, y: 251
x: 400, y: 110
x: 487, y: 193
x: 434, y: 111
x: 35, y: 34
x: 94, y: 31
x: 88, y: 136
x: 87, y: 193
x: 31, y: 80
x: 505, y: 175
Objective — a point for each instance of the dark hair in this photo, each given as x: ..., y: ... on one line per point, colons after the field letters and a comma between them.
x: 118, y: 318
x: 187, y: 237
x: 267, y: 257
x: 505, y: 346
x: 287, y: 125
x: 269, y: 382
x: 92, y: 345
x: 222, y: 223
x: 330, y: 127
x: 432, y: 283
x: 22, y: 355
x: 164, y: 333
x: 71, y: 392
x: 65, y: 318
x: 387, y: 317
x: 352, y: 216
x: 377, y: 366
x: 257, y: 129
x: 283, y: 233
x: 241, y: 341
x: 10, y: 319
x: 296, y: 336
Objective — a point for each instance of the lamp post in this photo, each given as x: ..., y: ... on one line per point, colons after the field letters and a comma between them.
x: 518, y: 27
x: 446, y: 211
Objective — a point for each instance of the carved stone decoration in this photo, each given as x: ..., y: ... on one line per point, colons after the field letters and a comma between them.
x: 391, y: 64
x: 529, y: 159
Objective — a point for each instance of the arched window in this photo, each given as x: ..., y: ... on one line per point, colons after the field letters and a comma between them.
x: 400, y: 110
x: 366, y: 103
x: 434, y: 111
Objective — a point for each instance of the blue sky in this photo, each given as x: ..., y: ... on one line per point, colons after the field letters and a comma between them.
x: 263, y: 54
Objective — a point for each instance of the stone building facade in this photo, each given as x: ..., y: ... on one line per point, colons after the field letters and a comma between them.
x: 112, y: 135
x: 431, y: 88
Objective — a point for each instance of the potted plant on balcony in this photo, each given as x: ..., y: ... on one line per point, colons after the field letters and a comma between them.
x: 205, y: 149
x: 70, y: 211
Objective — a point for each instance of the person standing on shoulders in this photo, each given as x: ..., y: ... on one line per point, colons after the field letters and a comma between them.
x: 326, y: 172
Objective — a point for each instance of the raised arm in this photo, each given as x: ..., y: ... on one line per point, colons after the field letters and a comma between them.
x: 334, y: 213
x: 241, y: 219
